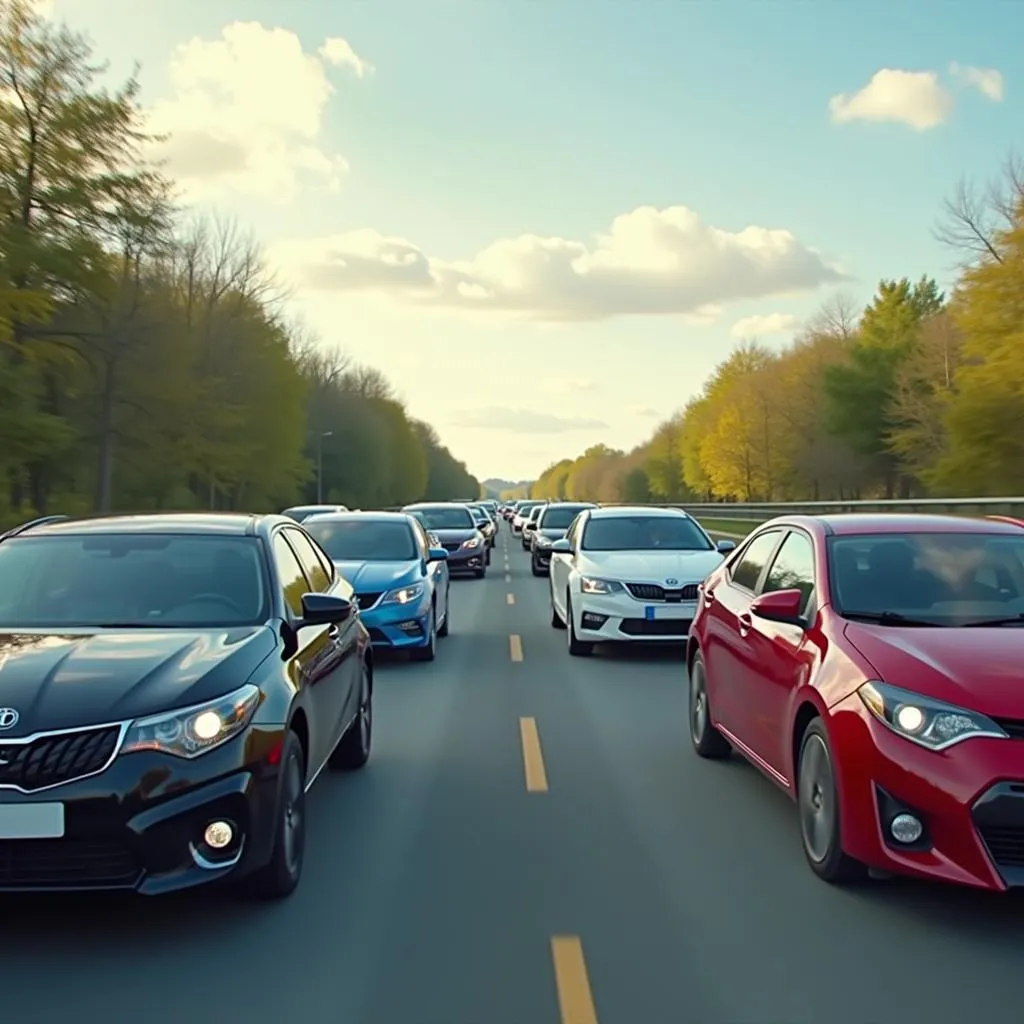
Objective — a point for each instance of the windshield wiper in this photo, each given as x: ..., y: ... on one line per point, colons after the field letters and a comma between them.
x: 1006, y: 620
x: 887, y: 619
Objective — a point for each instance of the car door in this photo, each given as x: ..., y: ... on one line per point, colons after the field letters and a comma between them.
x: 725, y: 650
x: 339, y: 679
x: 562, y: 563
x: 780, y: 655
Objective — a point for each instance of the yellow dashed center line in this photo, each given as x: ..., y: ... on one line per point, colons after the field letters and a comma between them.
x: 533, y: 759
x: 510, y: 599
x: 575, y: 1000
x: 515, y: 647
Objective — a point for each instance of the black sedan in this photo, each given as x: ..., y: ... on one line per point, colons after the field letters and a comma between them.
x: 456, y: 529
x: 170, y: 688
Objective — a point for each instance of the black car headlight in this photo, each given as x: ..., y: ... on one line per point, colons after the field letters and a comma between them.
x: 189, y: 732
x: 922, y: 720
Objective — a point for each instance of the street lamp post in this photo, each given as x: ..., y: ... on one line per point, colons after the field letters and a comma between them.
x: 320, y: 465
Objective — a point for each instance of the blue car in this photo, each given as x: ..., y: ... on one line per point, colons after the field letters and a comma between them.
x: 401, y: 580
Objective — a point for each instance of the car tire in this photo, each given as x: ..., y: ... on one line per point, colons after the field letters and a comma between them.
x: 577, y: 648
x: 536, y: 569
x: 353, y: 749
x: 280, y: 876
x: 707, y: 740
x: 819, y: 809
x: 445, y: 628
x: 428, y: 652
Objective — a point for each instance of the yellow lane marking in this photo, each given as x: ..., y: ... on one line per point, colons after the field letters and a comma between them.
x: 515, y: 647
x: 575, y: 1000
x: 510, y: 599
x: 533, y: 759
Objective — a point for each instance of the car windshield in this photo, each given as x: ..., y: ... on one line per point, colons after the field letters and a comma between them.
x: 452, y: 518
x: 131, y: 580
x: 364, y: 540
x: 556, y: 517
x: 644, y: 533
x: 936, y: 579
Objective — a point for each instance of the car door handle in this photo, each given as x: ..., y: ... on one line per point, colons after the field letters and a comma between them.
x: 746, y: 624
x: 334, y: 631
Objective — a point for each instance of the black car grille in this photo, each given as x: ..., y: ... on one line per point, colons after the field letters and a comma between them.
x: 66, y: 864
x: 653, y: 592
x: 1005, y: 844
x: 452, y: 545
x: 368, y: 600
x: 655, y: 627
x: 51, y: 760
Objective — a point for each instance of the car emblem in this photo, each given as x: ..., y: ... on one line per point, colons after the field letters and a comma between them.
x: 8, y: 718
x: 671, y: 582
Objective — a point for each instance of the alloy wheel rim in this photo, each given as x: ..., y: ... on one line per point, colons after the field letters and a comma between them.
x: 817, y: 805
x: 698, y: 704
x: 293, y: 816
x: 365, y: 715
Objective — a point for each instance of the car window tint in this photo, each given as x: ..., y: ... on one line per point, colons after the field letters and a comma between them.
x: 747, y: 570
x: 793, y: 568
x: 421, y: 535
x: 319, y: 581
x: 289, y: 571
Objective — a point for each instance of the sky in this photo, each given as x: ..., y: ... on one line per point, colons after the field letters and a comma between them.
x: 547, y: 222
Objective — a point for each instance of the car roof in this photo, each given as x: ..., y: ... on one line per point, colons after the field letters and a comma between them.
x: 344, y: 517
x: 910, y: 522
x: 611, y: 511
x: 230, y: 523
x: 436, y: 504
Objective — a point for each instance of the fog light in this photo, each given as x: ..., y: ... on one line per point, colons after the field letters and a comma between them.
x: 218, y: 834
x: 905, y: 828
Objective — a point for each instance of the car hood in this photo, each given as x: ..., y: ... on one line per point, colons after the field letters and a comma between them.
x: 974, y: 668
x: 463, y: 533
x: 650, y: 566
x: 370, y: 577
x: 63, y: 680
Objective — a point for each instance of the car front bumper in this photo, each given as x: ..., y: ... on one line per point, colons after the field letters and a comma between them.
x: 621, y: 618
x: 139, y: 824
x: 970, y: 798
x: 467, y: 560
x: 399, y: 626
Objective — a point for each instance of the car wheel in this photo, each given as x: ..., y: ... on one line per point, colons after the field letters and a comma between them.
x: 819, y: 807
x: 577, y: 648
x: 429, y: 651
x: 707, y: 740
x: 353, y: 750
x: 556, y: 619
x: 535, y: 568
x: 445, y: 626
x: 279, y: 878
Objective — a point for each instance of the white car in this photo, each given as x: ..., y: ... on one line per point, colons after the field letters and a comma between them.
x: 522, y: 516
x: 630, y: 573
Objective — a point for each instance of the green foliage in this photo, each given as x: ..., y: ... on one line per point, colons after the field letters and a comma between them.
x: 143, y: 362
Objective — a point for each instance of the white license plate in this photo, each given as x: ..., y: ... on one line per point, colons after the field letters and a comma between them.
x: 670, y: 611
x: 31, y: 821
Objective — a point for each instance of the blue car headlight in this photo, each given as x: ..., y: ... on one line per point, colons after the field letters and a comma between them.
x: 404, y: 595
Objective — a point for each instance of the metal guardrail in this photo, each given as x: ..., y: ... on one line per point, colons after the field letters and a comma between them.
x: 760, y: 511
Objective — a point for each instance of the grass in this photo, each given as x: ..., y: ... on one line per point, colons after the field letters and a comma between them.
x: 739, y: 527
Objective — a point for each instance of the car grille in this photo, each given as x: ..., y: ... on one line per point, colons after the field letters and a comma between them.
x: 52, y: 760
x: 655, y: 627
x: 1013, y: 727
x: 1005, y: 844
x: 66, y: 864
x: 653, y: 592
x: 368, y: 600
x: 452, y: 545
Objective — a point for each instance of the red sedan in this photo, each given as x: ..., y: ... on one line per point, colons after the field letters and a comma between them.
x: 873, y: 667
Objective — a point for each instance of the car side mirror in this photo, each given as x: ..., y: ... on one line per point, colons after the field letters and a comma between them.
x: 437, y: 555
x: 780, y: 606
x: 725, y: 546
x: 324, y: 609
x: 561, y: 547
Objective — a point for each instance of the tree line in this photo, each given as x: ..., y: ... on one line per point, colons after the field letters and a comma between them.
x: 918, y: 394
x: 146, y: 359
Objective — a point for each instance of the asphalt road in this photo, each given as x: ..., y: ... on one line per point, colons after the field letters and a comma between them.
x: 533, y: 842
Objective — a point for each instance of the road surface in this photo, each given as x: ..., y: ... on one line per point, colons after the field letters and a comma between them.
x: 533, y: 842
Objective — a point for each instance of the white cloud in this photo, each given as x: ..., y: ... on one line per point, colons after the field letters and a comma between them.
x: 644, y: 412
x: 988, y: 81
x: 649, y: 262
x: 914, y: 98
x: 339, y: 52
x: 568, y: 385
x: 758, y: 326
x: 524, y: 421
x: 246, y: 114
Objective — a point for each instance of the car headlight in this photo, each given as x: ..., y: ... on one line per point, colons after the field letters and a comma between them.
x: 404, y: 595
x: 473, y: 542
x: 592, y: 585
x: 929, y: 723
x: 189, y: 732
x: 542, y: 541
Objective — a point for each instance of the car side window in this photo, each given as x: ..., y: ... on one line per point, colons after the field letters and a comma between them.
x: 319, y: 580
x: 323, y: 558
x: 289, y: 572
x: 793, y: 568
x: 747, y: 571
x: 573, y: 532
x: 421, y: 537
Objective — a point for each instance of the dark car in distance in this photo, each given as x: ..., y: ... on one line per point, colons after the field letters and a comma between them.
x: 455, y: 527
x: 552, y: 524
x: 170, y: 688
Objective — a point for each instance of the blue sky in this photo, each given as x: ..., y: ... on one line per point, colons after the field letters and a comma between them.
x: 485, y: 120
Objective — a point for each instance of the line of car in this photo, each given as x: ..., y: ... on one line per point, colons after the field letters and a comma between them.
x: 868, y: 665
x: 172, y: 685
